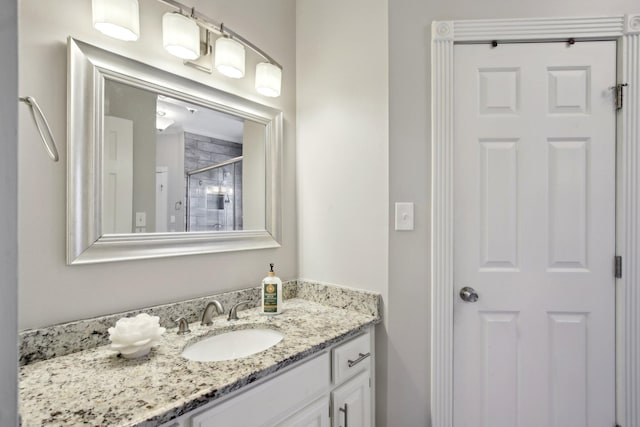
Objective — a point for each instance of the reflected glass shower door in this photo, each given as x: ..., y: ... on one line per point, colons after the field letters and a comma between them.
x: 214, y: 198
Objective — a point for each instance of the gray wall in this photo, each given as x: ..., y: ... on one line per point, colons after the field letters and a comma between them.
x: 51, y: 292
x: 410, y: 172
x: 253, y: 176
x: 139, y: 106
x: 9, y: 211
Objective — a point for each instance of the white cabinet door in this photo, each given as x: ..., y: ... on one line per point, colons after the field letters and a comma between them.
x: 314, y: 415
x: 352, y: 403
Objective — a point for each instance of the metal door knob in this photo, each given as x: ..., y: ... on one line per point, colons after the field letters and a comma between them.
x: 468, y: 294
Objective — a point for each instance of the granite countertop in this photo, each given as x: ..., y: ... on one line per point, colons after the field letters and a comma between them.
x: 97, y: 387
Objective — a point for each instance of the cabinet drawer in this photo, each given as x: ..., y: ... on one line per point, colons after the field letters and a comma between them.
x: 271, y: 400
x: 351, y: 357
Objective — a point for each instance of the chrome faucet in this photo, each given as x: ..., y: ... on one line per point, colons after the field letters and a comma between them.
x: 233, y: 313
x: 207, y: 314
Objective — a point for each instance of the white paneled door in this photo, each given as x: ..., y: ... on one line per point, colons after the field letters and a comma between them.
x: 118, y: 176
x: 534, y: 235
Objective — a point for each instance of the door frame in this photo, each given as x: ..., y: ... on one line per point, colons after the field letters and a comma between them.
x: 625, y: 30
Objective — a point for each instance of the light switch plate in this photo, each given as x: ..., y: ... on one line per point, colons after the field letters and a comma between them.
x: 404, y: 216
x: 141, y: 219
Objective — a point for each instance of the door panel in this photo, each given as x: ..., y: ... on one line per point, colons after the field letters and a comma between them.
x: 534, y: 223
x: 118, y: 176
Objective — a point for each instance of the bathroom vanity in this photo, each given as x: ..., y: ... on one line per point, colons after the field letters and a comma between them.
x: 320, y: 373
x: 336, y: 384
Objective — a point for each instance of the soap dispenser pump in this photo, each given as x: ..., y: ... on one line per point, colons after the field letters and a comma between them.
x: 272, y: 293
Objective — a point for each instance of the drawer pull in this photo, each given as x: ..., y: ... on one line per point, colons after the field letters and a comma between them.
x: 352, y: 363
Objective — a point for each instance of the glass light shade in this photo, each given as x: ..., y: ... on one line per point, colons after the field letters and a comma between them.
x: 117, y: 18
x: 268, y: 79
x: 180, y: 36
x: 229, y: 57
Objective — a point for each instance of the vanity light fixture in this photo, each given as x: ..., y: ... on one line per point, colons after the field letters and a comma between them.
x: 229, y: 57
x: 180, y: 36
x: 117, y: 18
x: 268, y: 79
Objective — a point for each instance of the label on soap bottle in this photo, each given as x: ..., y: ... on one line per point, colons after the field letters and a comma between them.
x: 270, y: 302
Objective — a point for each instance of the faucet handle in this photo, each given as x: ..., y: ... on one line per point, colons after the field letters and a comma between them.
x: 233, y: 313
x: 183, y: 326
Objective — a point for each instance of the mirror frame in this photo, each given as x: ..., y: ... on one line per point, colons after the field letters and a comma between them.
x: 88, y: 67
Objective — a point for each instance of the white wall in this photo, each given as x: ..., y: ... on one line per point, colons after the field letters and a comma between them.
x: 410, y: 170
x: 342, y: 146
x: 51, y: 292
x: 342, y: 141
x: 9, y: 213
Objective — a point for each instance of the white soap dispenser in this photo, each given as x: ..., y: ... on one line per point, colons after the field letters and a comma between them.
x: 272, y: 293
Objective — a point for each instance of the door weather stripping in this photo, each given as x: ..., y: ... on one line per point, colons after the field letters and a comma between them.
x: 619, y: 89
x: 618, y: 262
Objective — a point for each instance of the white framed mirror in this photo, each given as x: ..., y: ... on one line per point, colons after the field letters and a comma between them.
x: 159, y: 165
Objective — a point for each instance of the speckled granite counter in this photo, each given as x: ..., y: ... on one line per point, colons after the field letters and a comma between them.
x: 96, y: 387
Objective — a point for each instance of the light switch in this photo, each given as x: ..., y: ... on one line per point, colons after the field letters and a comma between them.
x: 404, y: 216
x: 172, y: 219
x: 141, y: 219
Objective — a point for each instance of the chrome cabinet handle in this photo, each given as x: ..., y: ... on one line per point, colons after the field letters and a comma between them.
x: 468, y: 294
x: 344, y: 410
x: 361, y: 357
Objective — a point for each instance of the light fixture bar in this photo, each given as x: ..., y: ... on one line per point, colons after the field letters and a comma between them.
x: 219, y: 28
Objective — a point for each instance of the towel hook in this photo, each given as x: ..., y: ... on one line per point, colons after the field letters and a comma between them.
x: 41, y: 122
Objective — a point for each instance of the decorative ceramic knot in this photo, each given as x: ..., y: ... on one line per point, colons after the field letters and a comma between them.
x: 134, y: 336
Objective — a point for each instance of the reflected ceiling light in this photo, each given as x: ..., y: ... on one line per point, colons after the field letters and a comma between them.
x: 163, y: 122
x: 268, y: 79
x: 117, y: 18
x: 229, y: 57
x: 180, y: 36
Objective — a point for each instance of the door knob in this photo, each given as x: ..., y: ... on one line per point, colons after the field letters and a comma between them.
x: 468, y: 294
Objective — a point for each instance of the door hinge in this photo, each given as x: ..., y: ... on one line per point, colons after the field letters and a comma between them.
x: 619, y: 89
x: 618, y: 265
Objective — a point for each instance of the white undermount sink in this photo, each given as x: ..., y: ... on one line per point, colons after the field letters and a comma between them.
x: 232, y: 345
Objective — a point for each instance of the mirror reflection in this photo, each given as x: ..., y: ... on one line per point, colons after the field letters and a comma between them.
x: 173, y: 166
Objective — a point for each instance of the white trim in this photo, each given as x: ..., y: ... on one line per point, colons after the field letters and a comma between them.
x: 626, y: 31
